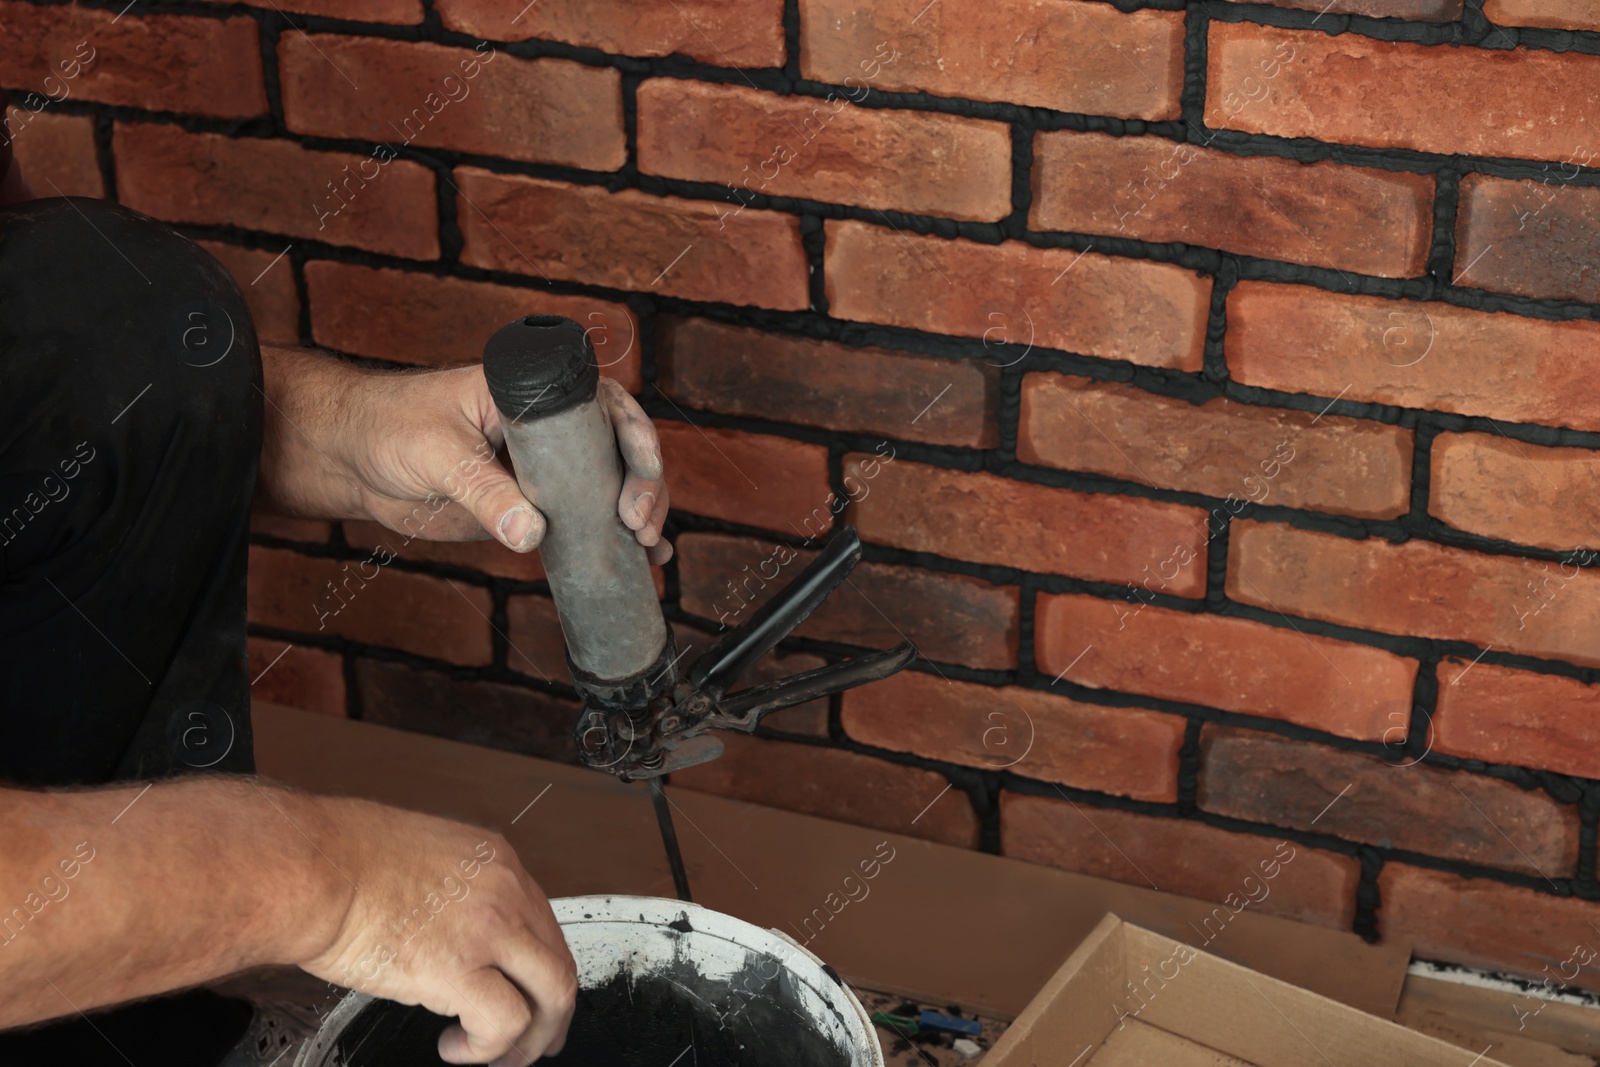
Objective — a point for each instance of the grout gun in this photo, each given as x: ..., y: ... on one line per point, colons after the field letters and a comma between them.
x: 640, y: 719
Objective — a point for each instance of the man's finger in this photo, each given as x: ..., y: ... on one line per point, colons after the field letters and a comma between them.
x: 639, y: 501
x: 636, y: 434
x: 650, y: 533
x: 643, y: 487
x: 493, y: 1014
x: 657, y: 549
x: 548, y: 978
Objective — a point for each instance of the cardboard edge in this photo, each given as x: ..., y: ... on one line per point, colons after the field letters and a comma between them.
x: 1337, y: 1019
x: 1104, y: 948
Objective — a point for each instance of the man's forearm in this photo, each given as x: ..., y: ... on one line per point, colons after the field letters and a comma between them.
x: 113, y: 894
x: 308, y: 397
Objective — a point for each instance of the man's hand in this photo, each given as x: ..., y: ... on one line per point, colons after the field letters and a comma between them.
x: 124, y: 892
x: 451, y: 921
x: 420, y: 452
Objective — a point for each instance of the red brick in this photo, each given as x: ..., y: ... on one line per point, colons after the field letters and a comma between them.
x: 488, y: 556
x: 1558, y: 14
x: 924, y: 162
x: 300, y: 677
x: 56, y: 152
x: 309, y: 531
x: 748, y: 33
x: 1222, y: 448
x: 414, y: 92
x: 1500, y: 715
x: 1266, y: 778
x: 1350, y: 89
x: 478, y: 713
x: 834, y: 784
x: 985, y: 518
x: 1015, y: 296
x: 1532, y: 238
x: 1320, y: 214
x: 537, y: 644
x: 1233, y: 664
x: 1490, y: 925
x: 1128, y: 65
x: 415, y: 613
x: 404, y: 12
x: 1182, y: 856
x: 1489, y: 484
x: 1413, y: 354
x: 441, y: 321
x: 951, y: 618
x: 200, y: 66
x: 632, y: 240
x: 1419, y: 589
x: 1411, y: 10
x: 276, y: 186
x: 741, y: 371
x: 749, y: 478
x: 1126, y: 751
x: 267, y: 282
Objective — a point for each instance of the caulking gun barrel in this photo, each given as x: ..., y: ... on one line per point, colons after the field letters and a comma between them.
x: 543, y: 376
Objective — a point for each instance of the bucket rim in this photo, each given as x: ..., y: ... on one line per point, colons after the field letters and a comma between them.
x: 661, y: 911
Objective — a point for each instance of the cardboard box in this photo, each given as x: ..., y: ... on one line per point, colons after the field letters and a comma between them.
x: 1127, y: 997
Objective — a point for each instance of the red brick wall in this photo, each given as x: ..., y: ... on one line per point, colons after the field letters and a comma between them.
x: 1237, y: 365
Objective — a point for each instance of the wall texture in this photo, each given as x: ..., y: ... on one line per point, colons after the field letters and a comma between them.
x: 1215, y: 387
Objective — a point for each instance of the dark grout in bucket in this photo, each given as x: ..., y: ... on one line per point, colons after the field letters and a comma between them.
x: 672, y: 1018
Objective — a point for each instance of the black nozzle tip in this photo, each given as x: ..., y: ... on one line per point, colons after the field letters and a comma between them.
x: 539, y: 365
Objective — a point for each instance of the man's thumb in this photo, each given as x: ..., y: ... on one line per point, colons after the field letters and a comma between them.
x: 496, y: 501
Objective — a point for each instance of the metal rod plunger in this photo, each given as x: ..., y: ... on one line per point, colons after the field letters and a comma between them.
x: 543, y: 376
x: 669, y: 837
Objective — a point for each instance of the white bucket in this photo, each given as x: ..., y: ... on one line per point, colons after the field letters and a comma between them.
x: 652, y: 974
